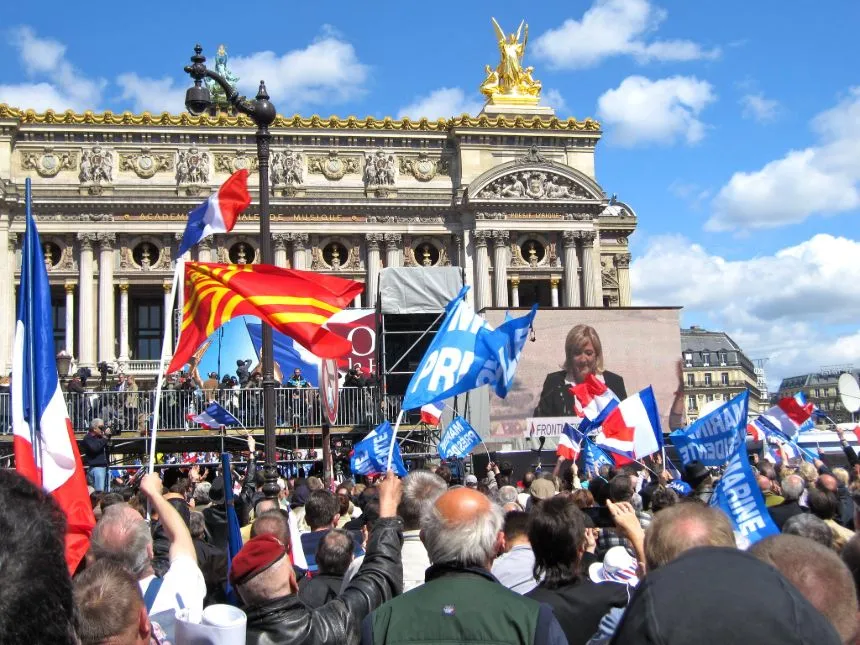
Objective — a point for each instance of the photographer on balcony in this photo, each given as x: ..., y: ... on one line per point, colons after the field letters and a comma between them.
x: 95, y: 448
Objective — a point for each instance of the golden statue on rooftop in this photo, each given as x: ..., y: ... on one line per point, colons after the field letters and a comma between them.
x: 511, y: 83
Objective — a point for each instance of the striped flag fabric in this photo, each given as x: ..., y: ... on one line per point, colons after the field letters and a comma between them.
x: 593, y: 398
x: 46, y: 451
x: 788, y: 416
x: 214, y: 416
x: 632, y: 428
x: 431, y: 414
x: 218, y: 214
x: 569, y: 443
x: 295, y: 303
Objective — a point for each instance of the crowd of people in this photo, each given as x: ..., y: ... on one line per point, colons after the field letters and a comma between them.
x: 553, y: 557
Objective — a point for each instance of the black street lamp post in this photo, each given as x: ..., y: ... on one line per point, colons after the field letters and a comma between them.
x: 198, y: 100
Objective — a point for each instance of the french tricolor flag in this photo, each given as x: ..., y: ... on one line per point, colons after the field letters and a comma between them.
x: 569, y: 443
x: 632, y: 428
x: 788, y: 416
x: 593, y: 397
x: 46, y: 451
x: 214, y: 416
x: 219, y: 213
x: 431, y: 414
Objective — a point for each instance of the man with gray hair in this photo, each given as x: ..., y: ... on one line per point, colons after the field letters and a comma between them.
x: 123, y: 535
x: 808, y: 526
x: 421, y: 489
x: 792, y: 489
x: 463, y: 533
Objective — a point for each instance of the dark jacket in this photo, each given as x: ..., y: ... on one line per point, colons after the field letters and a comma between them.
x: 94, y: 450
x: 317, y: 591
x: 462, y: 605
x: 782, y: 513
x: 557, y: 401
x: 288, y: 621
x: 579, y: 606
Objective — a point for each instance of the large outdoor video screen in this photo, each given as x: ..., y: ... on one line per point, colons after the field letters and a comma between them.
x: 640, y: 347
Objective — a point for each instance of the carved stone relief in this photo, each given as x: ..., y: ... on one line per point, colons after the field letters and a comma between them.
x: 288, y: 172
x: 380, y: 172
x: 192, y: 170
x: 145, y: 164
x: 232, y: 162
x: 96, y: 170
x: 332, y: 166
x: 49, y: 162
x: 533, y: 184
x: 423, y: 168
x: 608, y: 275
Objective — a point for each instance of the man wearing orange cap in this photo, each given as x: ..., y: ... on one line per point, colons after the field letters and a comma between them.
x: 266, y: 582
x: 461, y: 601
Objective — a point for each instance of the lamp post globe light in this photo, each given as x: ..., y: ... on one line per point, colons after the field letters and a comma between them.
x: 197, y: 101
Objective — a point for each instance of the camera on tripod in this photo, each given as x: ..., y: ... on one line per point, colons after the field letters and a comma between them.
x: 104, y: 369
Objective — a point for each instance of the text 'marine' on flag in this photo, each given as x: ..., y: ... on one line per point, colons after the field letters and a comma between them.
x: 296, y: 303
x: 46, y: 452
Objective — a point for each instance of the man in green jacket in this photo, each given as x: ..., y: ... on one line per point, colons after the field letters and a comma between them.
x: 461, y: 601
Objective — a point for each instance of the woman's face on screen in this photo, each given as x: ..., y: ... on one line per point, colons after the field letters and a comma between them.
x: 584, y: 361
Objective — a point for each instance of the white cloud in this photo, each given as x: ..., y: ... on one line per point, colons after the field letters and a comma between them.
x: 442, y: 103
x: 58, y: 85
x: 821, y: 179
x: 759, y: 108
x: 791, y: 307
x: 640, y: 110
x: 326, y: 71
x: 552, y: 98
x: 614, y: 28
x: 155, y: 95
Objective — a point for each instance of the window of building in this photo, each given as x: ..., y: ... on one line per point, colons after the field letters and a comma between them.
x: 706, y: 359
x: 691, y: 379
x: 707, y: 378
x: 148, y: 326
x: 817, y: 393
x: 724, y: 378
x: 691, y: 402
x: 688, y: 358
x: 58, y: 315
x: 710, y: 398
x: 723, y: 358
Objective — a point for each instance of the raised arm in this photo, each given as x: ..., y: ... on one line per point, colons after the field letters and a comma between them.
x: 170, y: 519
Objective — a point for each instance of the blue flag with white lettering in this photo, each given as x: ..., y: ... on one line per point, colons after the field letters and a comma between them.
x: 458, y: 440
x: 370, y: 455
x: 467, y: 353
x: 595, y: 458
x: 737, y: 494
x: 713, y: 438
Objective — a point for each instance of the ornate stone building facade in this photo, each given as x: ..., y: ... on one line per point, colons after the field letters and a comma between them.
x: 510, y: 199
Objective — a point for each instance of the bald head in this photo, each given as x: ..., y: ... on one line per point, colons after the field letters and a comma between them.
x: 463, y: 527
x: 683, y: 527
x: 764, y: 483
x: 123, y: 534
x: 828, y: 482
x: 818, y: 574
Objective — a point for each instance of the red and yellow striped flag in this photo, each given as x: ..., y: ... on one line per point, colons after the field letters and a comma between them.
x: 296, y: 303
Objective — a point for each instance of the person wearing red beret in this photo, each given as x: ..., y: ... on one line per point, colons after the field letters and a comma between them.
x: 265, y: 581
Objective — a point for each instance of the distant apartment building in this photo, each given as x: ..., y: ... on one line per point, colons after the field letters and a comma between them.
x: 716, y: 369
x: 820, y: 388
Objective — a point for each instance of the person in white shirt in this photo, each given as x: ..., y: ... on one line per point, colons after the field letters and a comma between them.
x: 123, y: 535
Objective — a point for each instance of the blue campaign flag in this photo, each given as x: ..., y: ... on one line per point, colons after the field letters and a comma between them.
x: 458, y: 440
x: 370, y: 455
x: 791, y: 447
x: 737, y: 494
x: 595, y: 458
x: 467, y: 353
x: 215, y: 416
x: 234, y: 531
x: 681, y: 487
x: 284, y: 352
x: 713, y: 438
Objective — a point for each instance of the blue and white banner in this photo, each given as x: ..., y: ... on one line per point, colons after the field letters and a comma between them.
x: 458, y: 440
x: 595, y: 458
x: 215, y: 416
x: 467, y: 353
x: 681, y: 487
x: 713, y: 438
x: 370, y: 455
x: 737, y: 494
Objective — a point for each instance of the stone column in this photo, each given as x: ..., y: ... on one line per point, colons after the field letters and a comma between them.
x: 123, y: 321
x: 482, y: 270
x: 86, y: 308
x: 553, y: 293
x: 168, y: 307
x: 622, y: 265
x: 465, y: 260
x: 500, y: 268
x: 572, y: 287
x: 280, y: 244
x: 372, y: 241
x: 590, y: 277
x: 515, y: 291
x: 70, y: 317
x: 300, y: 241
x: 107, y: 326
x: 204, y: 251
x: 392, y: 249
x: 357, y: 302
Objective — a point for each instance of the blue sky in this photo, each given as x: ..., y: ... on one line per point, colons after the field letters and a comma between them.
x: 732, y: 128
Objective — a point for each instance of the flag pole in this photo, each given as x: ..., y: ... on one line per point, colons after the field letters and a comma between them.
x: 394, y: 439
x: 30, y: 332
x: 165, y: 353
